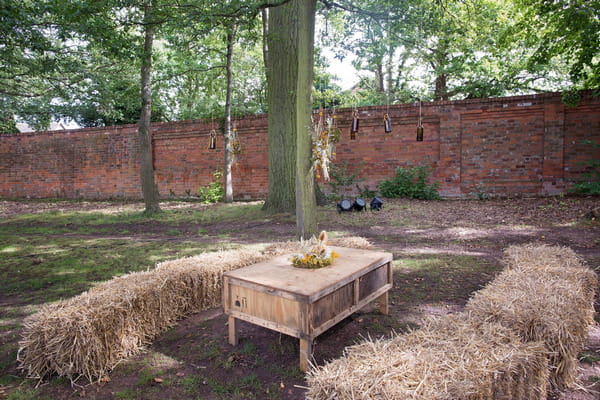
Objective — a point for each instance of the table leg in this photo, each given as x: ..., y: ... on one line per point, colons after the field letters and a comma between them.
x: 233, y: 337
x: 305, y: 353
x: 383, y: 302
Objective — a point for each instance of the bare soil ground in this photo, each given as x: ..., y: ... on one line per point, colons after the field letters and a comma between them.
x: 444, y: 250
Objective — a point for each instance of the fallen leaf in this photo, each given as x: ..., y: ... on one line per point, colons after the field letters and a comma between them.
x: 158, y: 380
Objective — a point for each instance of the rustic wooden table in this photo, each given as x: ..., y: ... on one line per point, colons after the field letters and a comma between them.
x: 304, y: 303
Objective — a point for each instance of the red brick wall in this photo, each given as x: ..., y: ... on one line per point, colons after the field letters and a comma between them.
x: 527, y: 145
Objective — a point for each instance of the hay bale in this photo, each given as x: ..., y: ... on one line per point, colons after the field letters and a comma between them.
x: 541, y: 254
x: 355, y: 242
x: 540, y: 305
x: 558, y: 261
x: 448, y: 358
x: 86, y: 336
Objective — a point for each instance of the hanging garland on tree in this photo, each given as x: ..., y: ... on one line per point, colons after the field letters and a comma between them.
x: 234, y: 145
x: 325, y: 135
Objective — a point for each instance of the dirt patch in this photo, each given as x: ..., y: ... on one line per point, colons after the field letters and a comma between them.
x: 443, y: 251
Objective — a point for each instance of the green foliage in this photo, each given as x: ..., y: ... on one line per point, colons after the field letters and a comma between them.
x: 569, y: 28
x: 80, y: 60
x: 429, y: 49
x: 365, y: 192
x: 8, y: 125
x: 480, y: 193
x: 342, y: 180
x: 213, y: 192
x: 592, y: 184
x: 411, y: 182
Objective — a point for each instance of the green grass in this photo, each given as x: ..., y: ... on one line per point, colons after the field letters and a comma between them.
x: 39, y: 269
x: 24, y: 394
x: 63, y: 221
x: 54, y: 255
x: 190, y: 384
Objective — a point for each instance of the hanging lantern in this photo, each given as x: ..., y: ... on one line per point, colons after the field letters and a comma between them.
x: 420, y: 133
x: 387, y: 123
x: 212, y: 144
x: 355, y: 125
x: 420, y: 125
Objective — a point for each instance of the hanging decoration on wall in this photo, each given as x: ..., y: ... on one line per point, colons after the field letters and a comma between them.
x: 212, y: 135
x: 387, y: 123
x: 325, y: 135
x: 420, y: 125
x: 212, y: 142
x: 355, y: 125
x: 234, y: 142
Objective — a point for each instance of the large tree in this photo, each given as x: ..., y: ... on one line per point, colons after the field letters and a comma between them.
x: 444, y: 49
x: 149, y: 187
x: 568, y: 29
x: 290, y: 41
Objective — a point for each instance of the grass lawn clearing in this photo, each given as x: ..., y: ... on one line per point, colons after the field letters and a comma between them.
x: 443, y: 251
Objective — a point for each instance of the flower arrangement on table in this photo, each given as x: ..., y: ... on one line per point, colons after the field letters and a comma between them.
x: 317, y: 255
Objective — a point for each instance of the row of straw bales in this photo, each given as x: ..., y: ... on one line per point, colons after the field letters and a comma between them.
x: 87, y: 335
x: 517, y: 339
x: 447, y: 358
x: 545, y: 294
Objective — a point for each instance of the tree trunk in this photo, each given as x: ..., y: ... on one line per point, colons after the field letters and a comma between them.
x: 380, y: 78
x: 290, y: 74
x: 149, y: 187
x: 265, y: 46
x: 227, y: 139
x: 281, y: 70
x: 441, y: 77
x: 306, y: 204
x: 441, y: 87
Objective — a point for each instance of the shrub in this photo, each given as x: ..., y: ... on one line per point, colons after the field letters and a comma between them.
x: 342, y: 179
x: 592, y: 185
x: 213, y: 192
x: 411, y: 182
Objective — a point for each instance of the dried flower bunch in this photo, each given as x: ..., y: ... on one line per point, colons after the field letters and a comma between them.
x: 325, y: 135
x: 316, y: 255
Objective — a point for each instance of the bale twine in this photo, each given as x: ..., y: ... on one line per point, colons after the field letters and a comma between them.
x: 540, y: 305
x: 448, y: 358
x: 87, y: 335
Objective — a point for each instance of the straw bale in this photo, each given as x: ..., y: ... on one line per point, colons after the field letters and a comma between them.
x: 356, y: 242
x: 539, y: 304
x: 89, y: 334
x: 541, y: 254
x: 448, y: 358
x: 561, y: 262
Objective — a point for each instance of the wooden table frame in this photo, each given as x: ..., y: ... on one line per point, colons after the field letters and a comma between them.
x: 304, y: 303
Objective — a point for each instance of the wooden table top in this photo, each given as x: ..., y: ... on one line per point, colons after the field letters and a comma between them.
x: 279, y: 273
